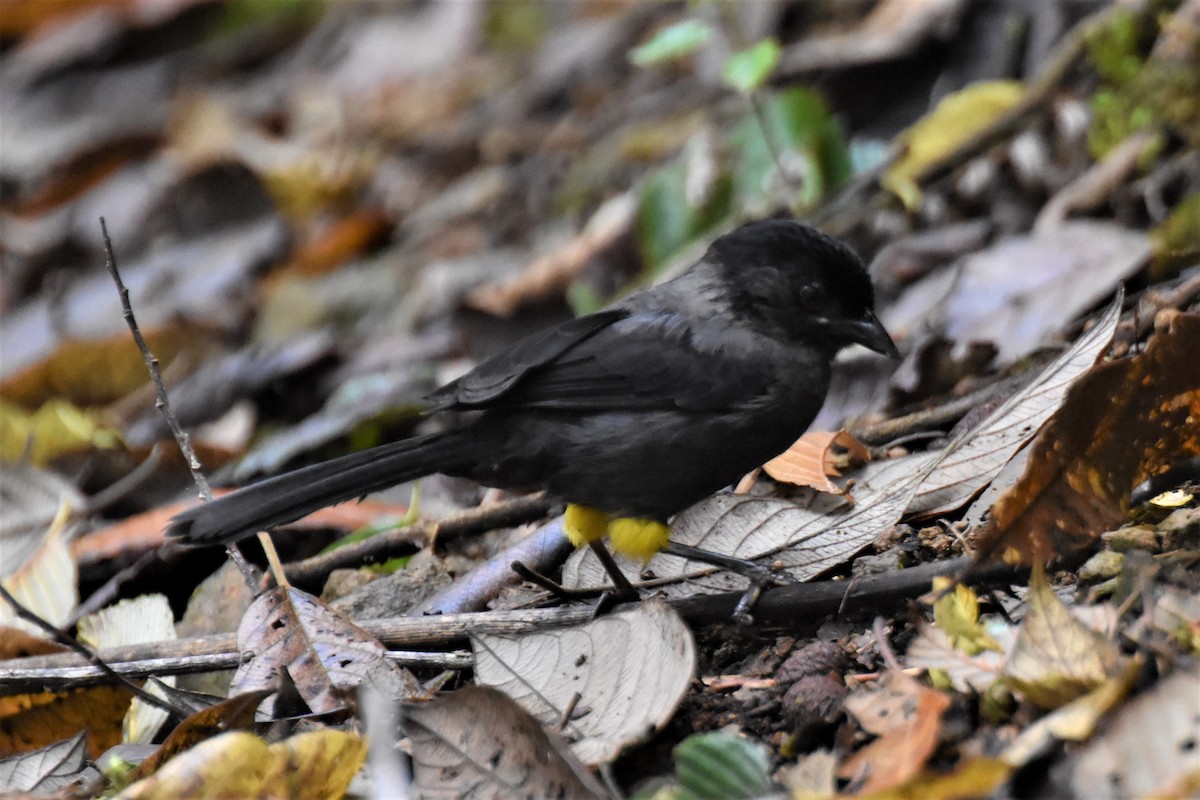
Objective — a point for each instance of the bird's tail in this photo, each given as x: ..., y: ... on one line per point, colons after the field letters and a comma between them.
x: 288, y: 497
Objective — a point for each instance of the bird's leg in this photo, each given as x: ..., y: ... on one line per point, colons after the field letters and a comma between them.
x: 586, y: 526
x: 552, y: 586
x: 623, y: 591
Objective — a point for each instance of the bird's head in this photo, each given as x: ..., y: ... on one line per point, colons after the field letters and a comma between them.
x: 797, y: 284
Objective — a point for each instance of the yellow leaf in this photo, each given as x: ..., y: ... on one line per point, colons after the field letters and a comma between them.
x: 1056, y: 657
x: 957, y: 118
x: 58, y: 427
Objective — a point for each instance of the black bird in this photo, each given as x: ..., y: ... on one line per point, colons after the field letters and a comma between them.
x: 630, y: 414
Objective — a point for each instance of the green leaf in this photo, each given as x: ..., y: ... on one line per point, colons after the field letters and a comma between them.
x: 718, y: 766
x: 667, y: 222
x: 674, y: 41
x: 793, y: 127
x: 749, y: 69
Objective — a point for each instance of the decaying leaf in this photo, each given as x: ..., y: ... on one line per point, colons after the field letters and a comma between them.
x: 812, y: 460
x: 326, y: 656
x: 985, y: 300
x: 32, y: 721
x: 907, y: 718
x: 1074, y: 722
x: 57, y: 427
x: 553, y: 272
x: 30, y: 499
x: 623, y: 674
x: 956, y: 119
x: 232, y: 714
x: 478, y: 744
x: 1122, y: 422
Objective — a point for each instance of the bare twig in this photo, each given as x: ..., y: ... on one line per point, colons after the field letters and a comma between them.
x: 162, y: 403
x: 787, y: 606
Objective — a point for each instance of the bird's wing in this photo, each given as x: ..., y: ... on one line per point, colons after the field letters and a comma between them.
x: 496, y: 376
x: 635, y: 361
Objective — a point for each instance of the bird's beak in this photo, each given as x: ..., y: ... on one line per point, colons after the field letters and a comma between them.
x: 870, y: 333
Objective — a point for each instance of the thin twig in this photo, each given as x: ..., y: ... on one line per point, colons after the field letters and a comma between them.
x: 162, y: 403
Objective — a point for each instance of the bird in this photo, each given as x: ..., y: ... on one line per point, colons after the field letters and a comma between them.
x: 630, y: 414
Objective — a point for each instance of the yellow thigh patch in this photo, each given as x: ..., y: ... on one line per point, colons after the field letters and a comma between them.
x: 638, y: 539
x: 584, y: 525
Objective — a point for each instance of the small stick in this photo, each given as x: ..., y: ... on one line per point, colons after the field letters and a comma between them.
x: 161, y: 402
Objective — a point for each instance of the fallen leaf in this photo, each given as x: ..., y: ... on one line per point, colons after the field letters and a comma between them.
x: 977, y: 777
x: 46, y: 584
x: 623, y: 674
x: 956, y: 119
x: 146, y: 618
x: 1074, y: 722
x: 984, y: 301
x: 812, y: 460
x: 1121, y: 423
x: 478, y: 744
x: 235, y: 713
x: 308, y: 766
x: 43, y: 771
x: 32, y: 721
x: 907, y: 718
x: 326, y: 656
x: 1057, y: 657
x: 982, y: 452
x: 56, y: 428
x: 552, y: 273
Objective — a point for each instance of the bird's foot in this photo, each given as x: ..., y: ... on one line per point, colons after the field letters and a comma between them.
x: 760, y: 577
x: 552, y: 586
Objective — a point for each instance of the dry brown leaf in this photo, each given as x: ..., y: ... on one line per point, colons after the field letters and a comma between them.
x: 31, y: 721
x: 478, y: 744
x: 1121, y: 423
x: 18, y: 643
x: 326, y: 656
x: 342, y: 241
x: 232, y: 714
x: 813, y: 460
x: 624, y: 673
x: 907, y: 717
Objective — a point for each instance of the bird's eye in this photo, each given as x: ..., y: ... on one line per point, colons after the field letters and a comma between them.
x: 811, y: 295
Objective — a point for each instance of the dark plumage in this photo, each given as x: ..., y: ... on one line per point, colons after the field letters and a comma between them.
x: 639, y: 410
